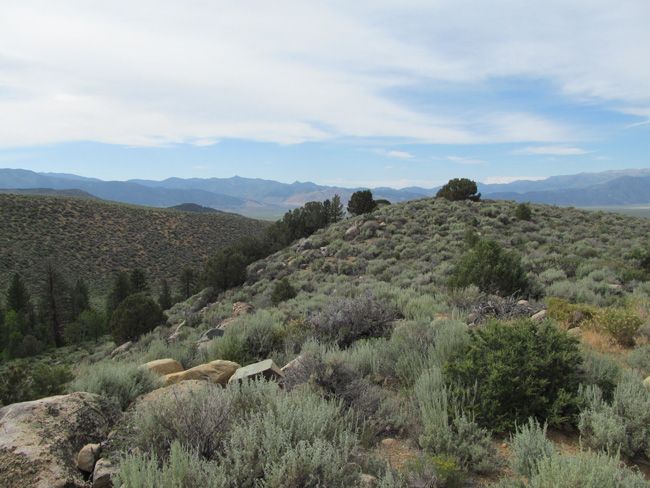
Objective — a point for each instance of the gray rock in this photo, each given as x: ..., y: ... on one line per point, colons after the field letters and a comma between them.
x: 523, y: 303
x: 352, y: 233
x: 265, y: 369
x: 118, y: 351
x: 575, y: 332
x: 539, y: 316
x: 40, y: 440
x: 103, y: 474
x: 87, y: 457
x: 368, y: 481
x: 646, y: 382
x: 208, y: 335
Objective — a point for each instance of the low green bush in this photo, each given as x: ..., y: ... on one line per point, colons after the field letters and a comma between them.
x: 521, y: 369
x: 584, y: 470
x: 447, y: 428
x: 136, y: 315
x: 282, y: 291
x: 346, y: 320
x: 597, y: 369
x: 121, y: 382
x: 22, y: 381
x: 621, y: 323
x: 639, y: 359
x: 491, y: 268
x: 249, y: 339
x: 529, y: 445
x: 622, y: 425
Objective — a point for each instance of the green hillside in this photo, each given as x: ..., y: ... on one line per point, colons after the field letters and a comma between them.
x: 408, y: 362
x: 92, y: 239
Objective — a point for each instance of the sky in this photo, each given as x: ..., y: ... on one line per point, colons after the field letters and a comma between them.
x: 365, y: 93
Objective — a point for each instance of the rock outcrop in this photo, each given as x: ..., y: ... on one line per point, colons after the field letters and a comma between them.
x: 164, y: 366
x: 40, y: 440
x: 88, y: 456
x: 217, y: 372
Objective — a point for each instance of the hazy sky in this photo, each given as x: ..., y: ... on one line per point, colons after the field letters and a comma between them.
x: 381, y: 92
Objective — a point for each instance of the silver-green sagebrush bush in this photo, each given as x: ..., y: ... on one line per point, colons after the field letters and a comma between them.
x: 622, y: 425
x: 529, y: 446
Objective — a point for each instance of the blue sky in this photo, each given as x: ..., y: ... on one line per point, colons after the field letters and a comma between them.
x: 377, y: 93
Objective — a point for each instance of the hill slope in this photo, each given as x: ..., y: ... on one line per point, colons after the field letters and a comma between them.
x: 92, y: 239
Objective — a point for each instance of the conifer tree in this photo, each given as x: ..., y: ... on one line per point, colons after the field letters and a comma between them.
x: 165, y: 297
x: 120, y: 290
x: 139, y: 282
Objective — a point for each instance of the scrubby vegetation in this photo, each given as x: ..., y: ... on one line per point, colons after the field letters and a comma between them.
x: 432, y: 343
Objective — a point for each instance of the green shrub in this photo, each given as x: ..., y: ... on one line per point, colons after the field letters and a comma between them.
x: 521, y: 370
x: 584, y: 470
x: 621, y: 323
x: 447, y: 428
x: 569, y: 314
x: 346, y: 320
x: 249, y: 339
x: 90, y: 325
x: 282, y: 291
x: 523, y: 212
x: 121, y: 382
x: 597, y: 369
x: 21, y: 382
x: 136, y: 315
x: 622, y: 425
x: 434, y: 472
x: 639, y: 359
x: 459, y: 189
x: 183, y: 469
x: 491, y: 268
x: 528, y: 446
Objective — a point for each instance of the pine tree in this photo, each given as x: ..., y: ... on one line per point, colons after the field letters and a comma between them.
x: 188, y: 282
x: 18, y: 298
x: 165, y: 297
x: 79, y: 299
x: 336, y: 209
x: 139, y: 282
x: 55, y: 303
x: 120, y: 290
x: 361, y: 202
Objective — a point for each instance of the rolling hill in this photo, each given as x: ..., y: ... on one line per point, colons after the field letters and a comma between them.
x: 93, y: 239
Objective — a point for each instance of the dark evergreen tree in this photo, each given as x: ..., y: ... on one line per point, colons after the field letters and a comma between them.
x: 79, y: 299
x: 120, y: 290
x: 459, y: 189
x: 18, y: 298
x: 55, y: 303
x: 165, y: 296
x: 361, y: 202
x: 187, y: 283
x: 136, y: 315
x: 139, y: 283
x: 336, y: 210
x: 226, y: 269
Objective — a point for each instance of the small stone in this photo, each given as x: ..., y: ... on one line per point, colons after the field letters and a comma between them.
x: 539, y: 316
x: 575, y: 332
x: 523, y: 303
x: 646, y: 382
x: 87, y: 457
x: 368, y: 481
x: 388, y: 442
x: 504, y: 445
x: 242, y: 308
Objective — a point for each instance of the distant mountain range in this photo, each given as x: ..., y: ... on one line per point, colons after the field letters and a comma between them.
x: 266, y: 198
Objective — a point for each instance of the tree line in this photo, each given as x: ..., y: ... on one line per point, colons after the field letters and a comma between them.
x: 61, y: 312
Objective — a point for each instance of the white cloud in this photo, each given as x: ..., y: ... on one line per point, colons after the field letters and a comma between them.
x: 165, y: 71
x: 464, y: 160
x: 552, y: 151
x: 395, y: 154
x: 496, y: 180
